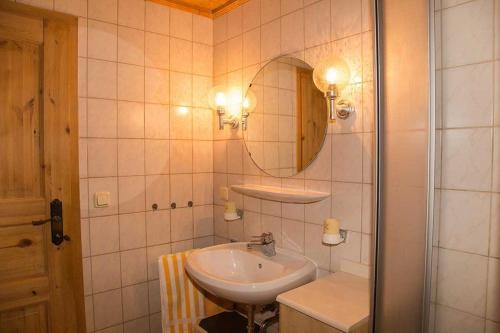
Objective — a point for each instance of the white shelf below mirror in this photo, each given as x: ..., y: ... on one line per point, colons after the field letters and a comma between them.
x: 288, y: 195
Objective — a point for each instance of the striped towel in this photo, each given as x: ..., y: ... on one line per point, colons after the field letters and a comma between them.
x: 182, y: 303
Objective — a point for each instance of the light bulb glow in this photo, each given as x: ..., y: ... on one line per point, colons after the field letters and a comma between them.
x: 182, y: 110
x: 220, y: 99
x: 331, y: 75
x: 246, y: 103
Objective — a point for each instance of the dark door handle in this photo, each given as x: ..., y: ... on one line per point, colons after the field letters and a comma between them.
x: 56, y: 222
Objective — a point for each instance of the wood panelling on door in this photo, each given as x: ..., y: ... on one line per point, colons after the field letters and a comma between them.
x: 41, y: 288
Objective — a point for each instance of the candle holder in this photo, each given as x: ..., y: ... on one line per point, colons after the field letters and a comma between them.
x: 335, y: 239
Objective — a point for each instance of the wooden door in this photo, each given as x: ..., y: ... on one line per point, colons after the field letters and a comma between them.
x: 41, y: 287
x: 312, y: 119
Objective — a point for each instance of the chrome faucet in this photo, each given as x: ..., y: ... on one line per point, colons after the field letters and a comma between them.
x: 265, y: 242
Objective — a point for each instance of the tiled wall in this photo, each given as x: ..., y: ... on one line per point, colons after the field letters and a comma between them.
x: 146, y: 137
x: 466, y: 268
x: 244, y: 40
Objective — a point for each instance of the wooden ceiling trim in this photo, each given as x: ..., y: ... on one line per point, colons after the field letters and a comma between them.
x: 183, y: 6
x: 207, y: 8
x: 227, y: 7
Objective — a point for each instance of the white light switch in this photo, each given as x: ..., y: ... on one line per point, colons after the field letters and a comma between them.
x: 224, y: 193
x: 101, y: 199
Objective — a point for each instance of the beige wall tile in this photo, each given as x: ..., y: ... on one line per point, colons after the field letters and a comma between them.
x: 133, y: 266
x: 251, y: 47
x: 465, y: 25
x: 156, y: 121
x: 131, y: 13
x: 314, y: 248
x: 181, y: 187
x: 101, y: 79
x: 182, y: 224
x: 492, y: 327
x: 234, y: 23
x: 102, y: 118
x: 451, y: 320
x: 465, y: 220
x: 132, y: 196
x: 153, y: 253
x: 203, y: 189
x: 202, y: 156
x: 496, y: 160
x: 130, y: 83
x: 158, y: 227
x: 135, y: 303
x: 157, y: 157
x: 471, y: 149
x: 82, y: 77
x: 203, y: 217
x: 157, y: 50
x: 136, y: 325
x: 317, y: 23
x: 106, y: 272
x: 234, y: 53
x: 202, y: 59
x: 345, y: 25
x: 270, y: 10
x: 493, y: 305
x: 181, y: 123
x: 130, y: 157
x: 292, y: 32
x: 220, y: 29
x: 495, y: 225
x: 104, y: 235
x: 103, y: 10
x: 181, y: 152
x: 181, y: 24
x: 102, y: 40
x: 82, y: 37
x: 347, y: 157
x: 466, y: 88
x: 465, y: 276
x: 251, y: 15
x: 73, y: 7
x: 157, y: 86
x: 157, y: 191
x: 270, y: 33
x: 181, y: 59
x: 102, y: 157
x: 89, y: 313
x: 132, y: 231
x: 347, y: 201
x: 203, y: 30
x: 108, y: 308
x: 293, y: 235
x: 157, y: 18
x: 130, y: 46
x: 130, y: 120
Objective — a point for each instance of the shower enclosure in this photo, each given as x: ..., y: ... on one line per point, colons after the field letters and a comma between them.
x: 438, y: 231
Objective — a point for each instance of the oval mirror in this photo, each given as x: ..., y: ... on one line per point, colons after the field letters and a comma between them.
x: 285, y: 118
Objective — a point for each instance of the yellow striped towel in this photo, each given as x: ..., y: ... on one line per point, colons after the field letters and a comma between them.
x: 182, y: 303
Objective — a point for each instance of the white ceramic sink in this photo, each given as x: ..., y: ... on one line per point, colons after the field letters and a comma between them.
x: 233, y: 272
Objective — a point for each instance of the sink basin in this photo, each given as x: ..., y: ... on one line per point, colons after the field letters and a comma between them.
x: 233, y: 272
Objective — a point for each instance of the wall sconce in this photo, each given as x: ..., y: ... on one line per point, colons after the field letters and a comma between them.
x: 218, y: 101
x: 331, y: 76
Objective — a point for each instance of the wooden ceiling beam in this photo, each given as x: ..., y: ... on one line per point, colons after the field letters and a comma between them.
x: 207, y: 8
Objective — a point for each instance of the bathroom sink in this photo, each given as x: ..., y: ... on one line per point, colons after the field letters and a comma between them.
x: 233, y: 272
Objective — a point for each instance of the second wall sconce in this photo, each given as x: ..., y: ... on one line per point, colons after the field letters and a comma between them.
x: 331, y: 75
x: 217, y: 98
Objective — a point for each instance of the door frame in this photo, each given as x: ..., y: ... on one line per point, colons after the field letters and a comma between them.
x: 60, y: 162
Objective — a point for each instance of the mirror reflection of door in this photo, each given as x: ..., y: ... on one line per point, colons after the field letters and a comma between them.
x: 41, y: 287
x: 311, y: 117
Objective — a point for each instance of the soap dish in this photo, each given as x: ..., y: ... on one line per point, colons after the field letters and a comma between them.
x: 233, y: 216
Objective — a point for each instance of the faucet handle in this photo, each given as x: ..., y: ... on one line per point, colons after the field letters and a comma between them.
x: 265, y: 238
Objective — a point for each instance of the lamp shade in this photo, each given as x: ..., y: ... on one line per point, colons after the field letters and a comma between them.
x: 249, y: 101
x: 331, y: 73
x: 217, y: 97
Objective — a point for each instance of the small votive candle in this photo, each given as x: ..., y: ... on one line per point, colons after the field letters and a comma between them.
x: 230, y: 207
x: 331, y: 227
